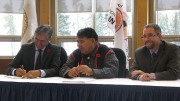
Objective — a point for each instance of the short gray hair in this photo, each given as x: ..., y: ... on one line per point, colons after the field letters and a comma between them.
x: 44, y: 29
x: 156, y: 27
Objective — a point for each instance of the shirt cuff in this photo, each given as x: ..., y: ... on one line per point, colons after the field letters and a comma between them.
x: 138, y: 77
x: 13, y: 72
x: 153, y: 75
x: 43, y: 73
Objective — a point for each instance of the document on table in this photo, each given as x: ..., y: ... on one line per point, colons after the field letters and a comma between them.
x: 12, y: 77
x: 75, y: 80
x: 78, y: 80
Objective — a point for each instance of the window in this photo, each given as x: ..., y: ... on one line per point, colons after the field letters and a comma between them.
x: 10, y: 24
x: 70, y: 23
x: 168, y: 17
x: 73, y: 15
x: 10, y: 27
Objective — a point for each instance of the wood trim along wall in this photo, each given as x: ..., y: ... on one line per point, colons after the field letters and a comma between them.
x: 141, y: 16
x: 3, y: 65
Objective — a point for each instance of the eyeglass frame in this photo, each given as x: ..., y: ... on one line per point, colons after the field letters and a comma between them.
x: 149, y: 35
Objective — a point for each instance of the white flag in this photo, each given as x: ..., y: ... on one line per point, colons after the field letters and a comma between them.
x: 117, y: 22
x: 29, y: 20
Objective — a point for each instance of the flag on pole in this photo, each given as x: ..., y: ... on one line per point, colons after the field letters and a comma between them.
x: 29, y: 20
x: 117, y: 22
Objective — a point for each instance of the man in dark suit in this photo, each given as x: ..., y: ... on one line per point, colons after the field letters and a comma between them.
x: 39, y: 58
x: 157, y: 60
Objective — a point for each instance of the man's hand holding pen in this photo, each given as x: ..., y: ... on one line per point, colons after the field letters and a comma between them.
x: 81, y: 69
x: 32, y: 74
x: 20, y: 71
x: 84, y: 69
x: 74, y: 72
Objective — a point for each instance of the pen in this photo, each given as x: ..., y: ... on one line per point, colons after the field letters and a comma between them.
x: 22, y: 67
x: 78, y: 70
x: 24, y: 71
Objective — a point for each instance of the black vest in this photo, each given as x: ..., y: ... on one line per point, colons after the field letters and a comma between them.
x: 100, y: 55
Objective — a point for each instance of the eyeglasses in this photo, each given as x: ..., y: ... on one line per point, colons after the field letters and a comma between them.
x: 42, y: 41
x: 148, y: 36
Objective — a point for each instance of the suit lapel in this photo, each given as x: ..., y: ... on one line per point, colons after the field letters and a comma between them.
x: 32, y: 52
x: 160, y: 53
x: 148, y: 60
x: 47, y: 52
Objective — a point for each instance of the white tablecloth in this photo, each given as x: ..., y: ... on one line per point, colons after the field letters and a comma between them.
x: 81, y: 80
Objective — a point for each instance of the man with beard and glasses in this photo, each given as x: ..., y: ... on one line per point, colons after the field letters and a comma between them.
x: 157, y: 59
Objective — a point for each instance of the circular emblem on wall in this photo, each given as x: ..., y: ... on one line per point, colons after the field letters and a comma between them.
x: 119, y: 19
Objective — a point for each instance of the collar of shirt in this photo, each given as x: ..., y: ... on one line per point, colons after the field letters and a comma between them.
x: 41, y: 49
x: 154, y: 51
x: 159, y: 48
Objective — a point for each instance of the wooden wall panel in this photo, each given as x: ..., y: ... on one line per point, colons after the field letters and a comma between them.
x: 141, y: 18
x: 3, y: 65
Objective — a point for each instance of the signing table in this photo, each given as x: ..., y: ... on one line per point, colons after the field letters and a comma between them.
x: 86, y: 89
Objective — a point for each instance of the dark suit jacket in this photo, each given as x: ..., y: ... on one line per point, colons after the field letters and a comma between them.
x: 53, y: 58
x: 166, y: 65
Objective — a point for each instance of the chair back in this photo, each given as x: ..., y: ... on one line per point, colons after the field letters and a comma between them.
x: 122, y: 62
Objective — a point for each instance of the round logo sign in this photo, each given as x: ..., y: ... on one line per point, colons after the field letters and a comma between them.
x: 119, y: 19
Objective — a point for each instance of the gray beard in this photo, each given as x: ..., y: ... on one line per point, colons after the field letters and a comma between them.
x: 150, y: 47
